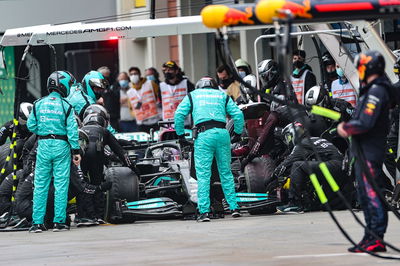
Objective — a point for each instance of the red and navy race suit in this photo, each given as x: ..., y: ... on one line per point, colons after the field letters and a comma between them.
x: 369, y: 127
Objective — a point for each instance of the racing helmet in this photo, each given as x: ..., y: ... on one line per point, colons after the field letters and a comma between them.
x: 98, y: 109
x: 240, y: 63
x: 315, y: 96
x: 83, y: 141
x: 95, y: 119
x: 207, y: 83
x: 369, y: 63
x: 293, y: 133
x: 251, y: 79
x: 60, y: 81
x: 396, y: 66
x: 92, y: 80
x: 269, y: 73
x: 25, y: 109
x: 327, y: 59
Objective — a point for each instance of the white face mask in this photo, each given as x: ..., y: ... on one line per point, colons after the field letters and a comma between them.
x: 134, y: 78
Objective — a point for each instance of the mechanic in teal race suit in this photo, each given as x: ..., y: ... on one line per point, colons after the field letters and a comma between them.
x: 54, y: 122
x: 87, y: 93
x: 209, y: 108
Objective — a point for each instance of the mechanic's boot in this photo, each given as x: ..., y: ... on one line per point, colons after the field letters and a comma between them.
x: 86, y: 222
x: 100, y: 221
x: 236, y: 213
x: 59, y: 227
x: 362, y: 243
x: 204, y: 217
x: 23, y: 223
x: 371, y: 246
x: 291, y: 207
x: 37, y: 228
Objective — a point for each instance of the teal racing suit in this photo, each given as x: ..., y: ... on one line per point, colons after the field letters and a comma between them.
x: 53, y: 121
x: 211, y: 106
x: 79, y: 99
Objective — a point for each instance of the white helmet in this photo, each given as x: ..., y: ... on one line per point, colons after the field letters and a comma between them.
x: 251, y: 79
x: 314, y: 96
x: 24, y: 110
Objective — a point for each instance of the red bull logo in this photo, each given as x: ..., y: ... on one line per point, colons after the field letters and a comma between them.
x: 235, y: 16
x: 298, y: 10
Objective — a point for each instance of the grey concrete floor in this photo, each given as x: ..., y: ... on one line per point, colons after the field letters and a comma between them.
x: 290, y: 239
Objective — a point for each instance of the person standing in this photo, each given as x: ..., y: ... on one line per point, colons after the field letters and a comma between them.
x: 209, y: 108
x: 143, y: 100
x: 342, y: 89
x: 54, y: 122
x: 127, y: 122
x: 302, y: 77
x: 369, y: 127
x: 227, y: 84
x: 173, y: 89
x: 111, y: 97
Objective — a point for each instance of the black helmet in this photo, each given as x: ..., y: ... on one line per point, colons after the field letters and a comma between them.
x: 207, y: 83
x: 60, y: 81
x: 396, y: 67
x: 369, y: 63
x: 98, y: 109
x: 293, y: 133
x: 95, y: 119
x: 269, y: 73
x: 327, y: 59
x: 83, y: 141
x: 24, y: 110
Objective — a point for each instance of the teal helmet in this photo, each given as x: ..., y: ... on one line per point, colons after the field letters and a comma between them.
x: 60, y: 81
x: 94, y: 83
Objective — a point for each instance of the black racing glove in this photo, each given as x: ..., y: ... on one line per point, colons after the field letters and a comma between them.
x: 103, y: 187
x: 236, y: 138
x: 183, y: 141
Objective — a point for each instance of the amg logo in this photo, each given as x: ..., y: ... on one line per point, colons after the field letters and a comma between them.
x: 69, y: 32
x: 25, y: 34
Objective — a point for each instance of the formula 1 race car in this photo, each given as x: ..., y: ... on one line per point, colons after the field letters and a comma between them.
x: 166, y: 187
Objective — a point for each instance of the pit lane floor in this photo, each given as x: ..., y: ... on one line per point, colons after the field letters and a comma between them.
x: 280, y: 239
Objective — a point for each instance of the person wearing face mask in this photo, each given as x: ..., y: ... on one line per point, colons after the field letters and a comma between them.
x: 227, y: 84
x: 342, y: 89
x: 127, y: 122
x: 111, y: 97
x: 153, y: 75
x: 330, y: 69
x: 143, y: 98
x: 173, y: 89
x: 302, y: 77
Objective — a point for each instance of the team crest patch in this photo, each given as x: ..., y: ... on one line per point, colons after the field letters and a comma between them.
x: 371, y: 105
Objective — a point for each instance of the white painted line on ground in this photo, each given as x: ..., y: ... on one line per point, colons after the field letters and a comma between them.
x: 319, y: 255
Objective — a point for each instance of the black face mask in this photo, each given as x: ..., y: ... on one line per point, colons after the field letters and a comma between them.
x: 332, y: 74
x: 298, y: 64
x: 226, y: 82
x: 169, y: 75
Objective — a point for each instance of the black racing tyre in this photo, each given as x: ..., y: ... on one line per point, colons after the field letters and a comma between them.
x: 255, y: 174
x: 125, y: 186
x: 4, y: 152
